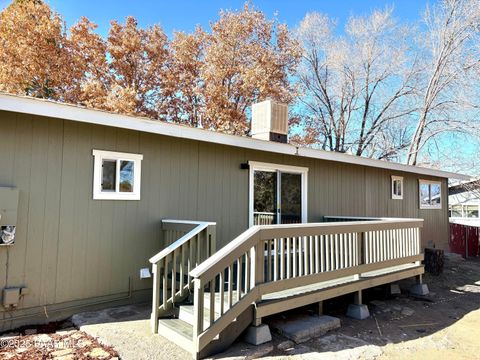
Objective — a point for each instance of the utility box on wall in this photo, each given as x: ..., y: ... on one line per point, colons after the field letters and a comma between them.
x: 8, y: 214
x: 11, y: 297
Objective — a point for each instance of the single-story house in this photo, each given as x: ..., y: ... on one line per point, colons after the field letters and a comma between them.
x: 92, y: 202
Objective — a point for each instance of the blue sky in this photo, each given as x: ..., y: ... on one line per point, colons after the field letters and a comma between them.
x: 185, y: 15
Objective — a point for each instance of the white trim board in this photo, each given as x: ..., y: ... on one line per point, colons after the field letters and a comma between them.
x: 101, y: 155
x: 40, y: 107
x: 278, y: 168
x: 429, y: 207
x: 393, y: 179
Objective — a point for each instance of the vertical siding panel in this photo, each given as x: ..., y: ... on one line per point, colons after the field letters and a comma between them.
x: 81, y: 190
x: 8, y: 123
x: 67, y: 213
x: 105, y: 238
x: 52, y: 210
x: 7, y: 150
x: 92, y: 241
x: 36, y: 213
x: 241, y: 191
x: 22, y: 172
x: 144, y: 216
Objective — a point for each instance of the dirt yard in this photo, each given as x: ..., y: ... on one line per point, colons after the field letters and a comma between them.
x: 444, y: 325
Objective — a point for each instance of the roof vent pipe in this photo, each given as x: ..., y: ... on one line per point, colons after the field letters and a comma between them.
x: 270, y: 121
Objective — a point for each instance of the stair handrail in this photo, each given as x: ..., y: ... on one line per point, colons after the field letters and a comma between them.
x: 200, y: 225
x: 180, y: 257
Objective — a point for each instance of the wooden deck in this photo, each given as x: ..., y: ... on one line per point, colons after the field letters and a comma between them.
x: 270, y: 269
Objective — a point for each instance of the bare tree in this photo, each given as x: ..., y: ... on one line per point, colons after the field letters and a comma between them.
x: 356, y: 88
x: 448, y: 73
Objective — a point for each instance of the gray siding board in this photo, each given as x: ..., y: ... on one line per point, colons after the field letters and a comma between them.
x: 52, y: 211
x: 94, y: 265
x: 36, y: 212
x: 22, y: 173
x: 70, y: 247
x: 67, y: 214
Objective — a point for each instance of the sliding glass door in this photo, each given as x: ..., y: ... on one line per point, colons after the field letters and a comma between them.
x: 278, y: 194
x: 265, y: 201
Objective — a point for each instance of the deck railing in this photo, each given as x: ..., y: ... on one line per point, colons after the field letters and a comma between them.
x: 269, y: 258
x: 190, y: 243
x: 264, y: 218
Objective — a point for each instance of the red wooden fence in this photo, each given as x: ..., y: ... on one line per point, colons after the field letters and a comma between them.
x: 464, y: 238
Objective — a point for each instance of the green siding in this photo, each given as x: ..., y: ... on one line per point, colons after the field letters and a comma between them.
x: 70, y: 247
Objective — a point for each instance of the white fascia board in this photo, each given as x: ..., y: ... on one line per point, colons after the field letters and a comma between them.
x: 27, y: 105
x: 358, y: 160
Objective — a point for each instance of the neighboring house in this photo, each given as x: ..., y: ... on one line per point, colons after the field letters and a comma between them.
x: 91, y: 196
x: 464, y: 200
x: 464, y: 208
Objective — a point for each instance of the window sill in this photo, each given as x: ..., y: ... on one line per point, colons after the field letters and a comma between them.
x: 116, y: 197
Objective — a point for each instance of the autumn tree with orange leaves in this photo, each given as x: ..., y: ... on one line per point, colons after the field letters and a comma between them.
x: 184, y: 86
x: 137, y: 67
x: 247, y: 58
x: 33, y: 50
x: 203, y: 79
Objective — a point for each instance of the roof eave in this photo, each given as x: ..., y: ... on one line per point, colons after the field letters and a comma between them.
x: 40, y: 107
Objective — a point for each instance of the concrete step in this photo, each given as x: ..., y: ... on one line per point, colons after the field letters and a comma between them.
x: 177, y: 331
x: 303, y: 327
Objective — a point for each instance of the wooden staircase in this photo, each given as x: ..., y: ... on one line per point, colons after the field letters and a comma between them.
x: 178, y: 328
x: 270, y: 269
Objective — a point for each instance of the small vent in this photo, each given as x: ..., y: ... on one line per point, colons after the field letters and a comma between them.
x: 270, y: 121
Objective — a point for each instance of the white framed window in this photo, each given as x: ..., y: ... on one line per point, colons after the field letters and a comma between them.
x: 277, y: 194
x: 397, y: 187
x: 430, y: 194
x: 116, y: 176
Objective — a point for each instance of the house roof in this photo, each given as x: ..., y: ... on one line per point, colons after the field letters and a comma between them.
x: 41, y: 107
x: 464, y: 186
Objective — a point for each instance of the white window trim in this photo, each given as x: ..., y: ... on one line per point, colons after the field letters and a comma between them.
x: 99, y: 156
x: 397, y: 178
x: 430, y: 182
x: 261, y: 166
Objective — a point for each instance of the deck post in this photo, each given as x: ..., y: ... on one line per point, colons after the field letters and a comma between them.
x: 212, y: 231
x: 198, y: 318
x: 156, y: 299
x: 320, y: 307
x: 257, y: 265
x: 357, y: 300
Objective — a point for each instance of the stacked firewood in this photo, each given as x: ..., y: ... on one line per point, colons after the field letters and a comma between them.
x: 434, y: 260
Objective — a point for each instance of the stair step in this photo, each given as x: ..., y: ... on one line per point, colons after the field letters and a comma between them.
x: 185, y: 313
x: 178, y: 331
